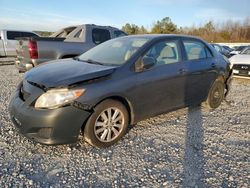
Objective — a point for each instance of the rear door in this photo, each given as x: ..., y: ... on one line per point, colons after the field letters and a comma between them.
x: 161, y: 87
x: 200, y: 68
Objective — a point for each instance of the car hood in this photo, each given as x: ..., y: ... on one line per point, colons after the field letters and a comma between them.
x: 240, y: 59
x: 62, y: 73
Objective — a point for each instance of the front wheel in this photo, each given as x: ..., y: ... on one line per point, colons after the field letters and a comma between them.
x: 107, y: 124
x: 216, y: 94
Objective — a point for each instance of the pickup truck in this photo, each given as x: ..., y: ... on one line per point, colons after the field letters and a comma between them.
x: 8, y: 41
x: 66, y: 43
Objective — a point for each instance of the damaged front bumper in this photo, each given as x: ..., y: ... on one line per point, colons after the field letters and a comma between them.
x: 47, y: 126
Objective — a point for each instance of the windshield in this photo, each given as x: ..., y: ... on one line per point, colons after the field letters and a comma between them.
x: 114, y: 52
x: 240, y: 48
x: 246, y: 51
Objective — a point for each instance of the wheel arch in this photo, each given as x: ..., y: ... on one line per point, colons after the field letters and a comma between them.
x: 220, y: 77
x: 125, y: 102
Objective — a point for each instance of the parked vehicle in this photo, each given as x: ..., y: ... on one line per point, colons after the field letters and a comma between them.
x: 237, y: 50
x: 66, y: 43
x: 221, y: 50
x: 8, y: 41
x: 117, y: 83
x: 227, y: 48
x: 241, y: 64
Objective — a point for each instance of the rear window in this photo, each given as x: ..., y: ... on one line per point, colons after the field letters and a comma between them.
x: 196, y: 50
x: 12, y: 35
x: 100, y: 35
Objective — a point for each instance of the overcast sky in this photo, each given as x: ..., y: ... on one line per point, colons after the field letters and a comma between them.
x: 53, y: 14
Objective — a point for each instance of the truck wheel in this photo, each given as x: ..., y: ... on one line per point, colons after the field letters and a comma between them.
x: 216, y: 94
x: 107, y: 124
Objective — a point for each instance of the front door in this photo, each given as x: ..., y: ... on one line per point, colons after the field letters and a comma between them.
x: 161, y: 87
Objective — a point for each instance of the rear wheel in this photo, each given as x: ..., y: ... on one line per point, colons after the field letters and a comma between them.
x: 216, y: 94
x: 107, y: 124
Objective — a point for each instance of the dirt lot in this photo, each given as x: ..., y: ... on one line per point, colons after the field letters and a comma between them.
x: 191, y: 147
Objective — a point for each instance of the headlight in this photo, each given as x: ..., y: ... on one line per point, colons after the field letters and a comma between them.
x: 57, y: 97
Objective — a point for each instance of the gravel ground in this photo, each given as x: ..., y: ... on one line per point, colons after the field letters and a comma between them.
x: 7, y: 60
x: 191, y: 147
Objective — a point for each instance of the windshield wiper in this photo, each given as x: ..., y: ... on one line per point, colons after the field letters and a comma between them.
x: 88, y: 61
x: 93, y: 61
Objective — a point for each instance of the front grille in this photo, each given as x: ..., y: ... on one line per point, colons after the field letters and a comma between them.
x: 243, y: 73
x: 241, y: 67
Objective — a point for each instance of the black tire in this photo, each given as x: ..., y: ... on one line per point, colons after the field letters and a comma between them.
x: 90, y: 129
x: 216, y: 94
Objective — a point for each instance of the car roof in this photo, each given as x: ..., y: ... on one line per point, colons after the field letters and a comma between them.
x: 91, y: 25
x: 155, y: 36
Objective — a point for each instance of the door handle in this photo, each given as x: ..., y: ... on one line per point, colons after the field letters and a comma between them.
x: 182, y: 71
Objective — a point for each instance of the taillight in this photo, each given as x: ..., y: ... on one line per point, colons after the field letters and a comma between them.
x: 33, y: 49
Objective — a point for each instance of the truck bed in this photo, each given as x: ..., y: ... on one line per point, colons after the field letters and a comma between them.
x: 48, y: 48
x: 41, y: 38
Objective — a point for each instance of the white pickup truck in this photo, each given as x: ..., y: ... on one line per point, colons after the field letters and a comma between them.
x: 8, y: 41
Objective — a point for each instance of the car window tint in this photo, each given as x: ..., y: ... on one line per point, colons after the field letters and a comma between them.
x: 195, y: 50
x: 246, y: 51
x: 164, y: 52
x: 100, y: 35
x: 27, y: 34
x: 12, y: 35
x: 118, y: 33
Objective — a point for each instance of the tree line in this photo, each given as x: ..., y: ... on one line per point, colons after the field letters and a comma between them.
x: 228, y: 31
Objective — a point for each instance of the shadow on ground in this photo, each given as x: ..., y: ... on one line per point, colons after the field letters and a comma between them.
x: 193, y: 153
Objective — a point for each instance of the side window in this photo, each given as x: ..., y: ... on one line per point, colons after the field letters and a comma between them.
x: 165, y: 52
x: 217, y: 48
x: 196, y: 50
x: 118, y: 33
x: 11, y: 35
x: 100, y: 35
x: 27, y: 34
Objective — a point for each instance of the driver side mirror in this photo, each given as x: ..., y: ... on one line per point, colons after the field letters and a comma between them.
x: 145, y: 63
